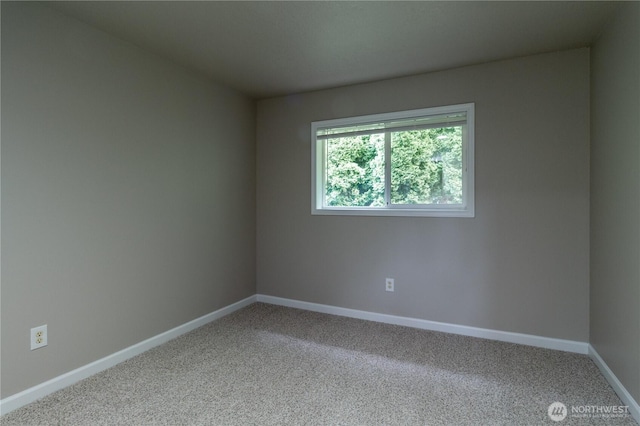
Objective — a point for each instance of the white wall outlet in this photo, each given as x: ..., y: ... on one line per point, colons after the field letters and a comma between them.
x: 389, y: 284
x: 38, y: 337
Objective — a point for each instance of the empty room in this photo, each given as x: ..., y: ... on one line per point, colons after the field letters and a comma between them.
x: 319, y: 212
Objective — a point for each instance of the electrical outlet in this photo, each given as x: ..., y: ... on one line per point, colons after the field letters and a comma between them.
x: 38, y: 337
x: 389, y: 284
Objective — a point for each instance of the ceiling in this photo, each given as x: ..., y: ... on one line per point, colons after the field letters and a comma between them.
x: 270, y: 48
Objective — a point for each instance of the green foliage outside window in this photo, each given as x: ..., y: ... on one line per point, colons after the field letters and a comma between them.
x: 355, y: 171
x: 426, y: 168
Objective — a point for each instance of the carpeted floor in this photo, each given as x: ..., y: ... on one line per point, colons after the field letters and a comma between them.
x: 269, y: 365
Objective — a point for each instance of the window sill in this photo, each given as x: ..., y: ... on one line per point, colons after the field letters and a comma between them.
x: 337, y: 211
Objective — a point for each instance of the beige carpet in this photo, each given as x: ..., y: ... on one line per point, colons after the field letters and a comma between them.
x: 269, y: 365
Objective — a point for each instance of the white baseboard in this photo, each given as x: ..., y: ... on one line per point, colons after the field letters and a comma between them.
x: 32, y: 394
x: 618, y: 387
x: 504, y: 336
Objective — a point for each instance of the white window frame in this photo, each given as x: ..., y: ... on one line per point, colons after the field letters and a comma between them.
x: 318, y: 164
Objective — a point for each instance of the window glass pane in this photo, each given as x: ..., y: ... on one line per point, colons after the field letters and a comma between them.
x: 426, y: 166
x: 355, y: 171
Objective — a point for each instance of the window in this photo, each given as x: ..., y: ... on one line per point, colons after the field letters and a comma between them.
x: 409, y: 163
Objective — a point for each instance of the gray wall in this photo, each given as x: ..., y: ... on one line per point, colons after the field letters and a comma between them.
x: 615, y: 197
x: 128, y: 194
x: 520, y: 265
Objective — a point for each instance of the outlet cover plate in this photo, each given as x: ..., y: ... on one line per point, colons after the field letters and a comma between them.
x: 389, y: 284
x: 39, y: 337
